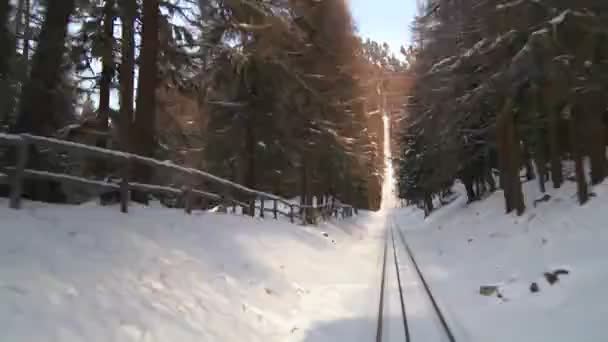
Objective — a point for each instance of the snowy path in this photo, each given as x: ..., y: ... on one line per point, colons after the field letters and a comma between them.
x: 346, y: 308
x: 393, y: 328
x: 405, y: 295
x: 424, y: 322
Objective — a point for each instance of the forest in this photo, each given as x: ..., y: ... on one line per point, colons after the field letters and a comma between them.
x: 284, y: 96
x: 280, y: 96
x: 501, y: 93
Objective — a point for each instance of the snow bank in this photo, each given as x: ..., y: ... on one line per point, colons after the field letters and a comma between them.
x: 461, y: 248
x: 89, y: 273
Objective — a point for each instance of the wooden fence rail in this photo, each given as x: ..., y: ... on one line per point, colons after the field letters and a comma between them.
x: 15, y: 175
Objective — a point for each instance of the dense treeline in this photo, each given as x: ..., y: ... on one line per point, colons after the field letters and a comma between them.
x: 504, y: 92
x: 272, y: 94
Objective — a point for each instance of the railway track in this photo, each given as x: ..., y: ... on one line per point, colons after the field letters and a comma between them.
x: 408, y: 310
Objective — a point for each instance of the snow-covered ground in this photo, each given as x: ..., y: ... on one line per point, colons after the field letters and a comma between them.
x: 461, y: 248
x: 89, y: 273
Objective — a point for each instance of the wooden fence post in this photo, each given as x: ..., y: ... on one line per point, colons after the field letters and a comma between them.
x: 187, y: 196
x: 124, y: 187
x: 262, y: 200
x: 226, y: 201
x: 224, y: 204
x: 17, y: 177
x: 275, y: 210
x: 252, y: 207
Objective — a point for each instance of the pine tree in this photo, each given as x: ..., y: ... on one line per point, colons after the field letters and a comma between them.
x: 471, y: 59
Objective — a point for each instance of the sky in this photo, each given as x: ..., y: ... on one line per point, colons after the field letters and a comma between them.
x: 384, y: 20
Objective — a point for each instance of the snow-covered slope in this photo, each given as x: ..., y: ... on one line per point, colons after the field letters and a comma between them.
x: 89, y: 273
x: 461, y: 248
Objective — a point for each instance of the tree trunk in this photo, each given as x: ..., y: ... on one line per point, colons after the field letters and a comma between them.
x: 41, y: 94
x: 303, y: 183
x: 557, y: 176
x: 250, y: 142
x: 8, y: 50
x: 597, y: 147
x: 250, y: 157
x: 575, y: 150
x: 26, y: 39
x: 144, y: 126
x: 306, y: 184
x: 509, y: 150
x: 541, y: 163
x: 127, y: 69
x: 515, y: 163
x: 5, y: 39
x: 468, y: 181
x: 487, y: 171
x: 428, y: 204
x: 502, y: 151
x: 107, y: 72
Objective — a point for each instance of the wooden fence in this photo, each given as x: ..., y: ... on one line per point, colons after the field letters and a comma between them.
x: 257, y: 201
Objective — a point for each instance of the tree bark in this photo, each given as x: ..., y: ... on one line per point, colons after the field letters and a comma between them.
x: 303, y: 182
x: 469, y: 184
x: 502, y: 151
x: 515, y: 163
x: 540, y: 160
x: 127, y: 69
x: 144, y: 133
x: 26, y: 38
x: 597, y: 147
x: 8, y: 50
x: 41, y: 94
x: 575, y: 150
x: 428, y: 204
x: 509, y: 150
x: 107, y: 72
x: 5, y: 39
x: 145, y: 123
